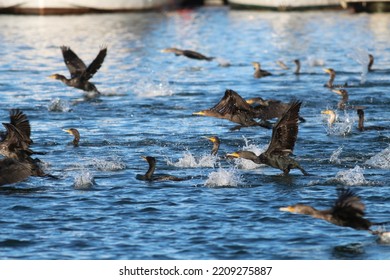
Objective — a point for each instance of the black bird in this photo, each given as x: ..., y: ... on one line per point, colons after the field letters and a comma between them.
x: 16, y: 139
x: 150, y: 176
x: 344, y: 98
x: 259, y: 73
x: 284, y: 136
x: 235, y: 109
x: 267, y: 109
x: 216, y: 142
x: 347, y: 211
x: 332, y: 76
x: 370, y: 62
x: 188, y: 53
x: 361, y: 126
x: 80, y: 74
x: 297, y: 66
x: 76, y: 135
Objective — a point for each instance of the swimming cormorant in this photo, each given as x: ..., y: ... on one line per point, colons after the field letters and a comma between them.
x: 347, y: 211
x: 361, y: 126
x: 259, y: 73
x: 150, y: 176
x: 284, y: 136
x: 297, y: 66
x: 216, y: 142
x: 370, y: 62
x: 344, y: 98
x: 76, y: 134
x: 332, y: 116
x: 332, y: 76
x: 234, y: 108
x: 187, y: 53
x: 80, y: 74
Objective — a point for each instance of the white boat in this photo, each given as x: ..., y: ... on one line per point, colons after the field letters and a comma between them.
x: 369, y: 6
x: 45, y: 7
x: 285, y: 5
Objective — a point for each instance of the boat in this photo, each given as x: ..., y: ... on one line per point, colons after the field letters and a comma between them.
x: 368, y: 6
x: 60, y: 7
x: 285, y: 5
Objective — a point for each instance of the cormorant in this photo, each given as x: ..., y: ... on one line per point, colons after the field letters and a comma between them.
x: 297, y: 66
x: 216, y: 142
x: 80, y: 74
x: 332, y: 76
x: 16, y: 139
x: 284, y: 136
x: 259, y: 73
x: 150, y: 176
x: 282, y: 65
x: 347, y: 211
x: 269, y: 108
x: 332, y: 116
x: 361, y: 126
x: 76, y: 134
x: 187, y: 53
x: 344, y: 98
x: 234, y: 108
x: 13, y: 170
x: 370, y: 62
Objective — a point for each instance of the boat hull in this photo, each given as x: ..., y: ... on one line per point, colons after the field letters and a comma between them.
x: 285, y: 5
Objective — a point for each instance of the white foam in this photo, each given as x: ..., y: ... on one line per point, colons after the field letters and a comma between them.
x: 109, y: 164
x: 148, y: 89
x: 241, y: 163
x: 380, y: 160
x: 83, y: 180
x: 335, y: 157
x: 343, y: 125
x: 223, y: 177
x: 59, y: 105
x: 189, y: 161
x: 352, y: 177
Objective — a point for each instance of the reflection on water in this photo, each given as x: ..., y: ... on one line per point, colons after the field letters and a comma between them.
x: 96, y: 205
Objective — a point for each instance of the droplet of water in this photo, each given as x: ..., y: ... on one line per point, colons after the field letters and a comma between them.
x: 223, y: 177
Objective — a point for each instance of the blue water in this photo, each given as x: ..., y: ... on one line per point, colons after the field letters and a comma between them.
x: 226, y: 209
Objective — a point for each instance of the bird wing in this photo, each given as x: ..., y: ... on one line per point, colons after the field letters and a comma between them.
x: 21, y: 123
x: 348, y: 205
x: 271, y: 109
x: 75, y: 65
x: 285, y: 131
x: 231, y: 103
x: 12, y: 171
x: 96, y: 64
x: 195, y: 55
x: 14, y: 140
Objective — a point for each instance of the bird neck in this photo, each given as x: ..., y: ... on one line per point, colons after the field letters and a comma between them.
x: 150, y: 172
x: 298, y: 67
x: 251, y: 156
x: 215, y: 149
x: 331, y: 80
x: 361, y: 122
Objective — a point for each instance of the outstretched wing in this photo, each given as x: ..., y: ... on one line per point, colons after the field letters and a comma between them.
x: 348, y: 204
x: 21, y: 123
x: 75, y: 65
x: 231, y: 103
x: 285, y: 131
x: 96, y: 64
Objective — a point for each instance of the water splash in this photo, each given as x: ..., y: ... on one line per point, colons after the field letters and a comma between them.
x: 84, y: 180
x: 352, y: 177
x: 223, y: 177
x: 109, y: 164
x: 59, y: 105
x: 343, y: 125
x: 189, y: 161
x: 380, y: 160
x: 148, y: 89
x: 361, y: 57
x: 248, y: 164
x: 335, y: 157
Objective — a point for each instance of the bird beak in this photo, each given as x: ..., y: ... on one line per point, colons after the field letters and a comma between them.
x: 200, y: 113
x: 144, y: 157
x: 52, y: 76
x: 326, y: 112
x: 233, y: 155
x: 287, y: 209
x: 67, y: 130
x: 327, y: 70
x: 337, y: 91
x: 250, y: 101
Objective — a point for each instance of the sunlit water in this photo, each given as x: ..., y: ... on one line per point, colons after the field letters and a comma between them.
x: 226, y: 209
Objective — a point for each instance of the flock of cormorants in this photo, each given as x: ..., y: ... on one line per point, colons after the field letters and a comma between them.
x: 348, y: 210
